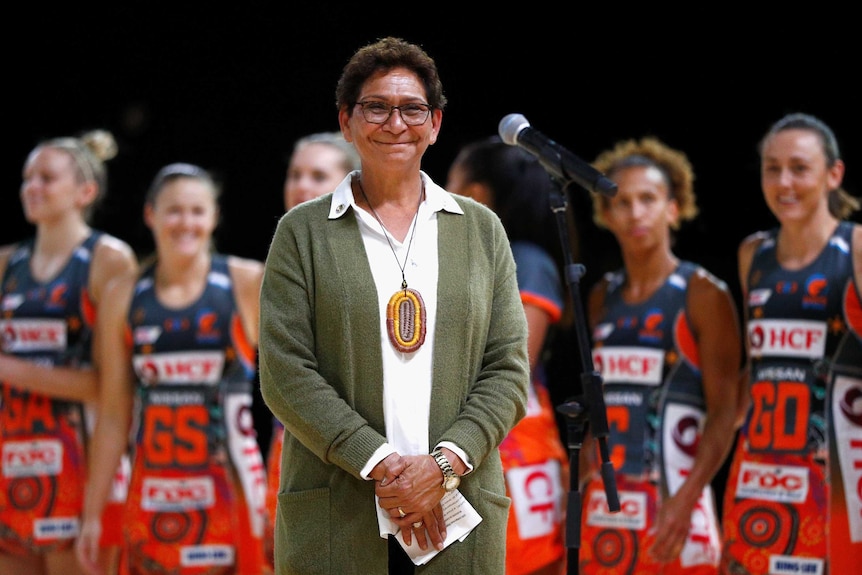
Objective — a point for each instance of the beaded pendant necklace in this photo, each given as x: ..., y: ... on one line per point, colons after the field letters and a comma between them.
x: 405, y: 312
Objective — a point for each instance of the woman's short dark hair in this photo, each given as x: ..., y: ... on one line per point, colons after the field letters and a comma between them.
x: 384, y: 55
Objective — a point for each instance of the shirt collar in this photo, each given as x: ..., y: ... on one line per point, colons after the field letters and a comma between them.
x: 436, y: 198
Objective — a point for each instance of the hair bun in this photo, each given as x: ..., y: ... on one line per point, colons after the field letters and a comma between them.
x: 101, y: 143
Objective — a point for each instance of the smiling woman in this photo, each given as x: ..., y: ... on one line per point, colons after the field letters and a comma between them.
x: 799, y: 429
x: 385, y: 411
x: 180, y: 338
x: 53, y: 285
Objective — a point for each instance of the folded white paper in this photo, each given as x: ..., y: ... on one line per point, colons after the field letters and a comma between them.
x: 460, y: 518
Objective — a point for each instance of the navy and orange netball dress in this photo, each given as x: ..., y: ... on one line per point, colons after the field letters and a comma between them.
x: 653, y: 390
x: 197, y: 492
x: 533, y: 452
x: 793, y: 502
x: 43, y: 439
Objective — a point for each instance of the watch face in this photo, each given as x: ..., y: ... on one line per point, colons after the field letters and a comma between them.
x: 452, y: 483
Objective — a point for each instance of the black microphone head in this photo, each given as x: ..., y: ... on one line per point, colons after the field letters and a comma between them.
x: 605, y: 186
x: 511, y: 126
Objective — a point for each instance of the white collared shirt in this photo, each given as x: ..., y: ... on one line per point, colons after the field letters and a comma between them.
x: 406, y: 376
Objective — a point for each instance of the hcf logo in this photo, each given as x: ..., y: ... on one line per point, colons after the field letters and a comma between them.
x: 798, y: 338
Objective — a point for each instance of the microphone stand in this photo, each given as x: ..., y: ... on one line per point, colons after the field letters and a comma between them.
x: 584, y: 411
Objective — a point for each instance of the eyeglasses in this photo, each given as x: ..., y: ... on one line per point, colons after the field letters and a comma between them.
x: 379, y: 112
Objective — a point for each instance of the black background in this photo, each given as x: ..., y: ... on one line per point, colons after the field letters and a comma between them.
x: 231, y: 89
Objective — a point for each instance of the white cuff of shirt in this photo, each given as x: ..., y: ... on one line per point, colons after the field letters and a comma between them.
x: 459, y: 452
x: 379, y: 455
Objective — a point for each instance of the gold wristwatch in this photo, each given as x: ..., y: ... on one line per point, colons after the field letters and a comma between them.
x: 451, y: 480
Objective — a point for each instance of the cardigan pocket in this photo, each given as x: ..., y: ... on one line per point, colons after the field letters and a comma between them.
x: 490, y: 543
x: 303, y: 549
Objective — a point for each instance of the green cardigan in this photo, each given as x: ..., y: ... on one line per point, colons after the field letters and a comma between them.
x: 321, y: 375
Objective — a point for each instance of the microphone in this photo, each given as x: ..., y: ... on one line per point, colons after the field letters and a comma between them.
x: 515, y: 130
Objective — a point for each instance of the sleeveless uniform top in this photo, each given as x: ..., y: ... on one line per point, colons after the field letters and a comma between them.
x: 793, y: 496
x: 42, y: 439
x: 198, y: 483
x: 650, y: 364
x: 532, y: 452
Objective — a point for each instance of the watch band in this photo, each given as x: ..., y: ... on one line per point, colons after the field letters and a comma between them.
x: 444, y: 464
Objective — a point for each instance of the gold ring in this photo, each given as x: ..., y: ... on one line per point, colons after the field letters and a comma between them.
x: 401, y: 512
x: 417, y: 525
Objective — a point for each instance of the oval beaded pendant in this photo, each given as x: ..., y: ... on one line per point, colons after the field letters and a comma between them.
x: 405, y: 320
x: 405, y: 312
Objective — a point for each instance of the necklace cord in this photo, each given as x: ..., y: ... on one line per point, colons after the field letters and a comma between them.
x: 386, y: 232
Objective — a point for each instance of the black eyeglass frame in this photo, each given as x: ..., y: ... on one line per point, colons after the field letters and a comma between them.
x: 392, y: 108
